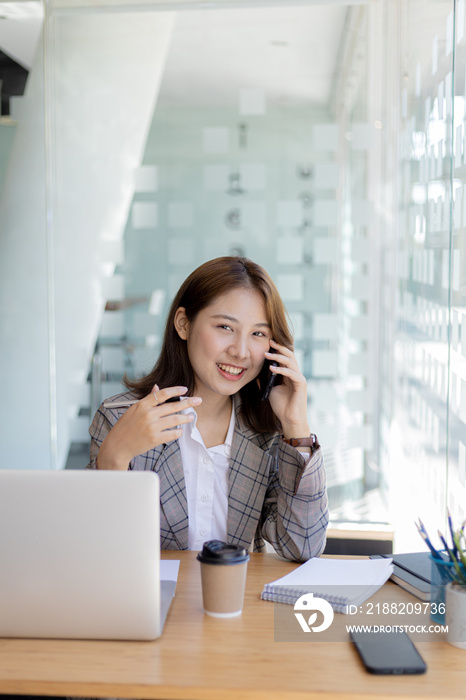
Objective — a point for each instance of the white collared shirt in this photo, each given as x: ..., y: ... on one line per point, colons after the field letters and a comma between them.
x: 206, y: 478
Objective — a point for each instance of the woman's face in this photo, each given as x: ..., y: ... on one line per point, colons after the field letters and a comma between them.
x: 226, y: 341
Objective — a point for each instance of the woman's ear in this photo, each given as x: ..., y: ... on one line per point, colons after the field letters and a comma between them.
x: 181, y: 323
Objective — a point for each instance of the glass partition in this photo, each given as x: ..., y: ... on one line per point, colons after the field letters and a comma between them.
x: 421, y: 269
x: 456, y: 274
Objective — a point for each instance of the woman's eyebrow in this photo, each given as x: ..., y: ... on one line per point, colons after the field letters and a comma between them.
x: 235, y: 320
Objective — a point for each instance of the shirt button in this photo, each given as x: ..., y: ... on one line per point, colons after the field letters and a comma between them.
x: 204, y: 497
x: 202, y: 533
x: 206, y: 460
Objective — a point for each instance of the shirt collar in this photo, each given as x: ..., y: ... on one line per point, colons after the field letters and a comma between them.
x: 231, y: 427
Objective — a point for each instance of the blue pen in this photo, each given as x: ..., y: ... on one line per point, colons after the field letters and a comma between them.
x: 451, y: 554
x: 450, y: 525
x: 425, y: 537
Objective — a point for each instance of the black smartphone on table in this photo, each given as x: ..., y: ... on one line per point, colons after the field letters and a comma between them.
x: 267, y: 379
x: 388, y: 652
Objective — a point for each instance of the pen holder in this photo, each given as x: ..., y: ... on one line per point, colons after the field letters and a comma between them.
x: 441, y: 574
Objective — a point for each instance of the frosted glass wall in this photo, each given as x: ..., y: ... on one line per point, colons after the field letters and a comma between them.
x: 421, y: 299
x: 456, y: 444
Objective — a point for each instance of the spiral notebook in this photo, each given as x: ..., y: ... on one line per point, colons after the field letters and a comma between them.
x: 342, y: 582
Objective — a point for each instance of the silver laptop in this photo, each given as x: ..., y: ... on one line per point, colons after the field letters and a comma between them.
x: 80, y: 555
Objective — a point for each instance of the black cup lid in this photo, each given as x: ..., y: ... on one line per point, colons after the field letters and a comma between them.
x: 216, y: 552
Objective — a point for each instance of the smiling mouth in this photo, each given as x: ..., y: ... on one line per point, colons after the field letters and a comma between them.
x: 230, y: 371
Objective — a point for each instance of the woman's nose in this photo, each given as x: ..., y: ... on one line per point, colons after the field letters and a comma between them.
x: 239, y: 348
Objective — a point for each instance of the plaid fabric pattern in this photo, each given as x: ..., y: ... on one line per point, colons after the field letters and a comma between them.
x: 274, y: 494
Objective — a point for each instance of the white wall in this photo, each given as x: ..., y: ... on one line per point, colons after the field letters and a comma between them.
x: 103, y: 76
x: 24, y: 350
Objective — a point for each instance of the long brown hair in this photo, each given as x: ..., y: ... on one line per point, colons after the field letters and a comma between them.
x: 201, y: 288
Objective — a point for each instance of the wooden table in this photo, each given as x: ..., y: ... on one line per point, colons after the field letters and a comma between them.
x: 233, y: 659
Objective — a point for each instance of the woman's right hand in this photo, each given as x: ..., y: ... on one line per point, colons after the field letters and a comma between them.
x: 145, y: 425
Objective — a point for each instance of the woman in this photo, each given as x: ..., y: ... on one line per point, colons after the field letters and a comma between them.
x: 225, y: 458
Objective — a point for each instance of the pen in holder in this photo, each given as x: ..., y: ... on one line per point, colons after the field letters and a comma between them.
x: 442, y: 573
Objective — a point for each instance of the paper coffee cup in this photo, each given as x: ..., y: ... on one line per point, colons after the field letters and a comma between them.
x: 223, y: 576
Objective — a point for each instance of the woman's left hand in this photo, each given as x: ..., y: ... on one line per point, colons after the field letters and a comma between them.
x: 289, y: 399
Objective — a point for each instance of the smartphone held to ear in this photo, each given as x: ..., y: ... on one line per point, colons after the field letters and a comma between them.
x: 267, y: 379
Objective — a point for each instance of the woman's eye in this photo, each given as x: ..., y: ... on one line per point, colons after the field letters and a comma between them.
x: 225, y: 327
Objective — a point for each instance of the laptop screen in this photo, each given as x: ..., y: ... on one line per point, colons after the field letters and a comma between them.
x: 80, y: 554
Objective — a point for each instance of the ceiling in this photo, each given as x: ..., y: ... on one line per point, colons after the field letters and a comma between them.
x: 290, y: 50
x: 20, y: 30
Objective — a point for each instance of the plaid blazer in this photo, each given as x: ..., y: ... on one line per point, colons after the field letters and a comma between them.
x: 274, y: 493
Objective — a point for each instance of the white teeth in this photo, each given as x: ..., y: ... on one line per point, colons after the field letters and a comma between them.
x: 230, y: 370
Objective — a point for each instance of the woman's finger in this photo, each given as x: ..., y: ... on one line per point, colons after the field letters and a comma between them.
x: 295, y: 377
x: 286, y: 361
x: 174, y: 434
x: 158, y: 396
x: 176, y: 407
x: 281, y: 348
x: 168, y: 422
